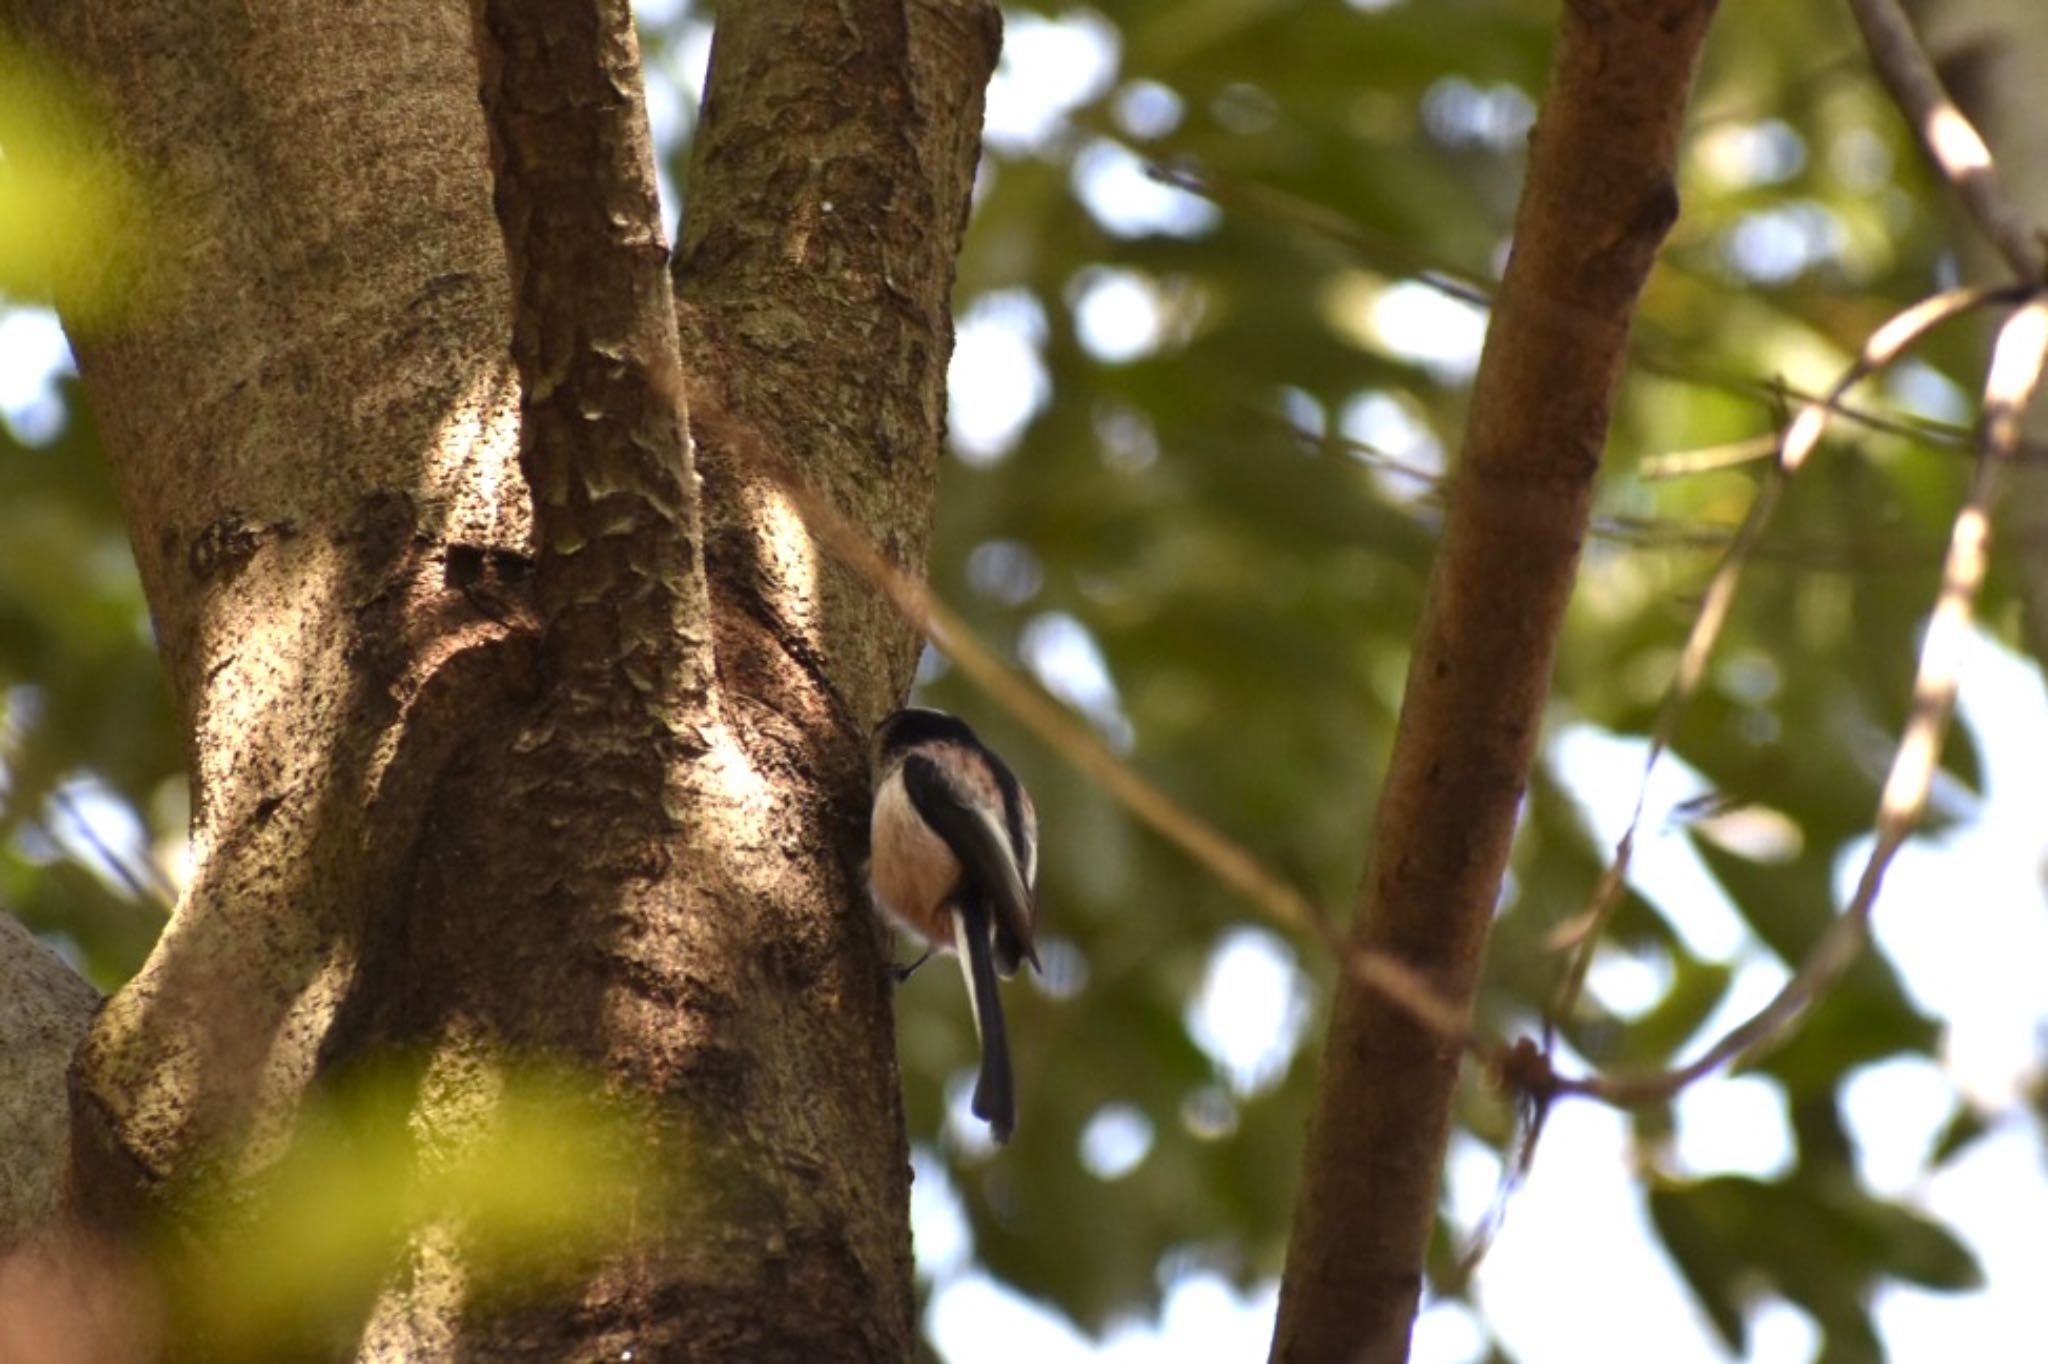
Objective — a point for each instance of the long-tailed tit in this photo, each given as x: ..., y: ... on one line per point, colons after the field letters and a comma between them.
x: 954, y: 861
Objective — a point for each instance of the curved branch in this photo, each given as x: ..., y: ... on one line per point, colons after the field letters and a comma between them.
x: 1950, y: 139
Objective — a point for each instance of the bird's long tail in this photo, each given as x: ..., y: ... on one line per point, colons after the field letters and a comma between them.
x: 995, y: 1094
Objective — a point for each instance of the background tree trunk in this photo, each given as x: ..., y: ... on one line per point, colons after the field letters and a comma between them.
x: 417, y: 827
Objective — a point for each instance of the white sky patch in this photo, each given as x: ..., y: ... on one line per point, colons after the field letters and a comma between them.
x: 1471, y: 1180
x: 997, y: 381
x: 1929, y: 392
x: 1458, y: 113
x: 1738, y: 156
x: 967, y: 1134
x: 1302, y: 411
x: 1629, y: 984
x: 939, y: 1229
x: 1994, y: 1195
x: 1955, y: 141
x: 1422, y: 325
x: 33, y: 355
x: 1252, y: 1009
x: 1737, y: 1126
x: 665, y: 114
x: 659, y: 13
x: 690, y: 62
x: 95, y: 826
x: 675, y: 91
x: 1005, y: 571
x: 1203, y: 1318
x: 1963, y: 915
x: 1049, y: 68
x: 1116, y: 1141
x: 1069, y: 663
x: 1382, y: 423
x: 1147, y: 110
x: 974, y: 1318
x: 1601, y: 771
x: 1113, y: 185
x: 1895, y: 1111
x: 1757, y: 978
x: 1776, y: 245
x: 1447, y: 1332
x: 1066, y: 969
x: 1117, y: 315
x: 1780, y: 1333
x: 1756, y: 832
x: 1577, y: 1273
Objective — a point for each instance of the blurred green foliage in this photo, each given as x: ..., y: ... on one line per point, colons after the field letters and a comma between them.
x: 518, y: 1174
x: 1196, y: 532
x: 68, y: 205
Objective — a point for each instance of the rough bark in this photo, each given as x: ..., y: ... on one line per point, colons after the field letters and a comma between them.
x: 829, y: 180
x: 44, y: 1010
x: 1598, y: 200
x: 469, y: 792
x: 310, y: 427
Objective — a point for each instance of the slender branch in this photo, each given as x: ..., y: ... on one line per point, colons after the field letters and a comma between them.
x: 1644, y: 532
x: 2015, y: 375
x: 1597, y: 202
x: 1709, y: 459
x: 1291, y: 209
x: 619, y: 576
x: 1950, y: 139
x: 1775, y: 392
x: 1890, y: 341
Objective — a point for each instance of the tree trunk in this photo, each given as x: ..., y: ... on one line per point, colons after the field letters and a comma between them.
x: 501, y: 753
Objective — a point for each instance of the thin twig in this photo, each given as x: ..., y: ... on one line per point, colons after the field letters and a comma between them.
x: 1775, y: 392
x: 151, y: 885
x: 1282, y: 206
x: 1685, y: 463
x: 1886, y: 345
x: 1522, y: 1068
x: 1950, y: 139
x: 2015, y: 374
x: 1292, y: 209
x: 1640, y: 532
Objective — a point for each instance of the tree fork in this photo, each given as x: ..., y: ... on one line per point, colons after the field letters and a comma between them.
x: 612, y: 824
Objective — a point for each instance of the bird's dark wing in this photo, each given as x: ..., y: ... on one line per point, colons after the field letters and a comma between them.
x: 982, y: 846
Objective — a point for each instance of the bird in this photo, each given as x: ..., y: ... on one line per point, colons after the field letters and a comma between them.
x: 953, y: 860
